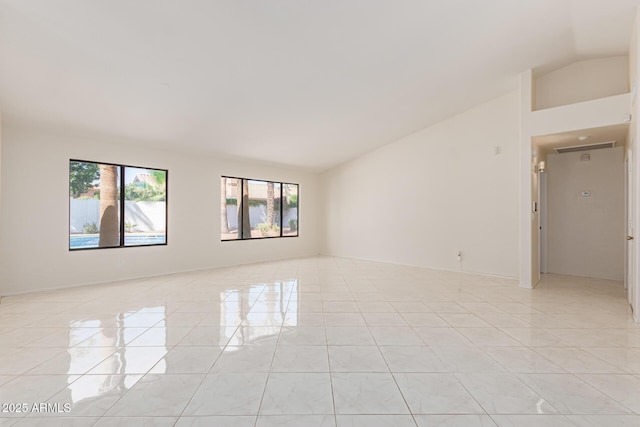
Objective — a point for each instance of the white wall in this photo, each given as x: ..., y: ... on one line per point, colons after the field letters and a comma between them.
x: 582, y: 81
x: 456, y: 194
x: 1, y: 203
x: 633, y: 252
x: 529, y: 275
x: 612, y: 110
x: 34, y: 222
x: 586, y: 234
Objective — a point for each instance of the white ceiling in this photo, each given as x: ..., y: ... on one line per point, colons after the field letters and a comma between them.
x: 297, y: 82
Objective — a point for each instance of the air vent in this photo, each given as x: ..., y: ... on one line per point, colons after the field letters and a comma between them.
x: 609, y: 144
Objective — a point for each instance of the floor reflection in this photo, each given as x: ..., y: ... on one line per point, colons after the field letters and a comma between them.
x: 233, y: 343
x: 108, y: 376
x: 138, y: 341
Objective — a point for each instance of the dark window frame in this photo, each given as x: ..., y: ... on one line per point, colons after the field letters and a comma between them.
x: 121, y: 209
x: 240, y: 195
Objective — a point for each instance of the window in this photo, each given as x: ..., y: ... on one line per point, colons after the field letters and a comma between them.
x: 290, y: 211
x: 254, y: 209
x: 113, y: 206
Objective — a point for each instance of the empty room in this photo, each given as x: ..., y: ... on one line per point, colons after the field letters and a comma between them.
x: 319, y: 214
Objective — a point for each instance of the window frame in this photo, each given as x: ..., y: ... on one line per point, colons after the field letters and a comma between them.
x: 121, y: 210
x: 282, y: 184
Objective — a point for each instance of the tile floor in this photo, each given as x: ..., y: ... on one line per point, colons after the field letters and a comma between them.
x: 321, y: 342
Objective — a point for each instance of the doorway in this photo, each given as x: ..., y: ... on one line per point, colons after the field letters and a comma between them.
x: 583, y: 199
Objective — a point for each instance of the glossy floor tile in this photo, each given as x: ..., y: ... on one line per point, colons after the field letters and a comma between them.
x: 321, y: 342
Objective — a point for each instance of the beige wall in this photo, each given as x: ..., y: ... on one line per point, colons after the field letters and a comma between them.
x: 35, y: 207
x: 582, y: 81
x: 586, y: 234
x: 423, y: 198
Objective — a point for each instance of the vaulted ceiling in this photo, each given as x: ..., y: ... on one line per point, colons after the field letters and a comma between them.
x: 297, y: 82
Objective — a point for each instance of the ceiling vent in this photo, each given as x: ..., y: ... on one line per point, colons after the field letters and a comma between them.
x: 599, y: 145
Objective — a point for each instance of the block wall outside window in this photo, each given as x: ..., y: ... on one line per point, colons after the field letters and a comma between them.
x: 114, y: 205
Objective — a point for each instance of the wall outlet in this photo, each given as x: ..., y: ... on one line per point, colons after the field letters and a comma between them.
x: 459, y: 255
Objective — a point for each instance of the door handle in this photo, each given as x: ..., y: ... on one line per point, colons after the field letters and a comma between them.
x: 629, y: 237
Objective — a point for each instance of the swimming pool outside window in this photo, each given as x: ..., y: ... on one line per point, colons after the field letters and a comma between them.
x: 114, y: 205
